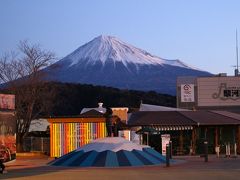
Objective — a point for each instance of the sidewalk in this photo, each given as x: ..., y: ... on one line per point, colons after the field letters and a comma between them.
x: 197, y: 162
x: 27, y: 162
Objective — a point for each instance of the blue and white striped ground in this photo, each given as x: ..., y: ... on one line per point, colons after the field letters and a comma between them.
x: 111, y: 152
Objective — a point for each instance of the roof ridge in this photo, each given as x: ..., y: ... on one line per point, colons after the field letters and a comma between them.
x: 222, y: 114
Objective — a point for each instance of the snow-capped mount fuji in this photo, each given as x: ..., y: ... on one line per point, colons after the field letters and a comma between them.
x: 109, y: 48
x: 108, y: 61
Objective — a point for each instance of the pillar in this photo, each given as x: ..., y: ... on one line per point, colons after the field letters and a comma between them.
x: 216, y: 137
x: 181, y: 141
x: 238, y: 139
x: 194, y: 137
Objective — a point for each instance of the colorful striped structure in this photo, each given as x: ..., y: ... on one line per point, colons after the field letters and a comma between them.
x: 111, y: 152
x: 68, y: 134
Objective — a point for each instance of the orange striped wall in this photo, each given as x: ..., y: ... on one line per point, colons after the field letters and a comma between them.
x: 68, y: 136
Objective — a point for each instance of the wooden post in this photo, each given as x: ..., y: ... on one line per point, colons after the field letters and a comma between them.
x: 238, y: 139
x: 216, y: 143
x: 216, y: 137
x: 205, y: 151
x: 194, y: 137
x: 181, y: 141
x: 205, y: 133
x: 167, y: 155
x: 147, y: 138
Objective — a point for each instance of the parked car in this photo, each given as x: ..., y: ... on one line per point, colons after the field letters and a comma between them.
x: 5, y: 154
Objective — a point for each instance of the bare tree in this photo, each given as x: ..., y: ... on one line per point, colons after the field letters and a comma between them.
x: 9, y: 68
x: 23, y: 75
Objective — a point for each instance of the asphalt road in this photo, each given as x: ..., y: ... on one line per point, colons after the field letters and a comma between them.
x: 187, y: 168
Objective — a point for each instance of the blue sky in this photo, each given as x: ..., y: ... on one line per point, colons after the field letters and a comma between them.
x: 199, y: 33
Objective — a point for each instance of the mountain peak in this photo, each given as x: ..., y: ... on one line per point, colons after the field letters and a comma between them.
x: 109, y: 48
x: 105, y: 38
x: 108, y: 61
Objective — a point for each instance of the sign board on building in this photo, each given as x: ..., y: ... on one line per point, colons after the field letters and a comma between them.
x: 187, y: 92
x: 7, y: 101
x: 218, y: 91
x: 165, y: 141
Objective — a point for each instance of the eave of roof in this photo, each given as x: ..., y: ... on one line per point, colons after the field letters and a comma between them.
x: 183, y: 118
x: 210, y: 118
x: 76, y: 119
x: 159, y: 118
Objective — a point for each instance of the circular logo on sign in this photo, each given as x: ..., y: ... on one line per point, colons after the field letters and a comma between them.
x: 186, y: 87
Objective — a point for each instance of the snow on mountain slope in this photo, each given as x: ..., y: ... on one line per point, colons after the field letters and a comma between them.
x: 106, y: 48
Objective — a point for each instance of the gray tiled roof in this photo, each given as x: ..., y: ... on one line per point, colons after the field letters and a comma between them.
x: 183, y: 118
x: 159, y: 118
x: 210, y: 118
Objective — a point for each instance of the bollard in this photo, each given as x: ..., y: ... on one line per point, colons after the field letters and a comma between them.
x: 228, y: 150
x: 167, y: 155
x: 217, y: 150
x: 170, y: 149
x: 205, y: 151
x: 235, y: 150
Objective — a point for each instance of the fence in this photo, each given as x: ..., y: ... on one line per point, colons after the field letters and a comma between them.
x: 37, y: 144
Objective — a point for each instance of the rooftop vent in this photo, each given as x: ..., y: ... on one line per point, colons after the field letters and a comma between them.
x: 100, y: 105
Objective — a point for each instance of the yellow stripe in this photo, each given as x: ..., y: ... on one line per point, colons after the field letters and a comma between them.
x: 55, y: 139
x: 51, y: 139
x: 59, y: 140
x: 73, y: 137
x: 70, y: 137
x: 102, y: 129
x: 88, y: 132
